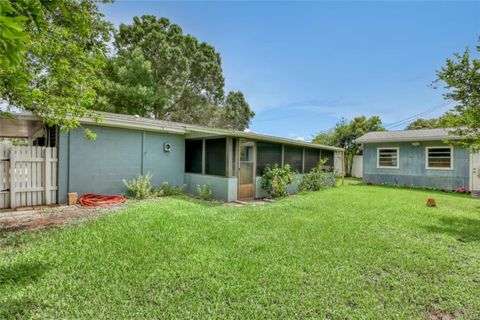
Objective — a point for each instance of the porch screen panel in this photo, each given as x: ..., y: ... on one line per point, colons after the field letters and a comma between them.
x: 216, y: 156
x: 268, y: 154
x: 234, y: 157
x: 312, y: 157
x: 328, y: 156
x: 193, y: 156
x: 293, y: 156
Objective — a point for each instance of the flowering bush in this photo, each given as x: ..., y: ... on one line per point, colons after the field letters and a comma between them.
x: 317, y: 179
x: 275, y: 180
x: 462, y: 190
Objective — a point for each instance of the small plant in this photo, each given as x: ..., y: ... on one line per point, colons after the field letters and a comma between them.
x: 462, y: 190
x: 166, y: 190
x: 275, y: 181
x: 140, y: 187
x: 317, y: 179
x: 204, y: 192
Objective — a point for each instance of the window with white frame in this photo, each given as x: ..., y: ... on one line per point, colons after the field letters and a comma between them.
x: 439, y: 158
x: 387, y: 157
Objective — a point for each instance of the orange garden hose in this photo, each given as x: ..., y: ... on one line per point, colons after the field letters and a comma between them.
x: 98, y: 200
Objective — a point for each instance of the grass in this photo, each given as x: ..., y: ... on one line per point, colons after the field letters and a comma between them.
x: 353, y: 252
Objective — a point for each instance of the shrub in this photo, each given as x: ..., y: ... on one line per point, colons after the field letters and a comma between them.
x: 317, y: 179
x: 140, y: 187
x: 166, y: 190
x: 204, y: 192
x: 275, y: 180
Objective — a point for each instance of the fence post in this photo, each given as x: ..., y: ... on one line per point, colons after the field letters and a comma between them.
x: 48, y: 177
x: 13, y: 181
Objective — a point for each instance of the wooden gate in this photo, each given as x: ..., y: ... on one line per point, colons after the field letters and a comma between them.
x: 28, y: 176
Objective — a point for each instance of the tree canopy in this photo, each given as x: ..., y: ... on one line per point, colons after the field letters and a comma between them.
x: 345, y: 133
x: 129, y: 87
x: 236, y: 113
x: 423, y: 124
x: 461, y: 78
x: 54, y: 62
x: 176, y: 77
x: 53, y: 58
x: 445, y: 121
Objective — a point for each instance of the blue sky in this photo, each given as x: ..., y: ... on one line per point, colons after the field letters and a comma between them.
x: 304, y: 65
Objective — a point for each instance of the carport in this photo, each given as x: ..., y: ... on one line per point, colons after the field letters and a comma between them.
x: 28, y: 163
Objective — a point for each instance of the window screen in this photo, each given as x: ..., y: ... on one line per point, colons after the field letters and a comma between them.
x: 234, y: 155
x: 193, y: 156
x: 215, y: 156
x: 293, y: 156
x: 440, y: 158
x: 268, y: 154
x: 328, y: 156
x: 311, y: 159
x: 388, y: 158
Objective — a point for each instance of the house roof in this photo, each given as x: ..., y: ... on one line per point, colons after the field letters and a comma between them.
x: 407, y: 135
x: 190, y: 131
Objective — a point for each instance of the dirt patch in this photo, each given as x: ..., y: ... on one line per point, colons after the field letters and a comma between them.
x: 440, y: 315
x: 46, y: 217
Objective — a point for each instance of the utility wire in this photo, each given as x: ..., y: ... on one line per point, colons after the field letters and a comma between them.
x: 416, y: 116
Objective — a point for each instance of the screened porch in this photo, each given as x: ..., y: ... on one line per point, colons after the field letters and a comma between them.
x: 233, y: 166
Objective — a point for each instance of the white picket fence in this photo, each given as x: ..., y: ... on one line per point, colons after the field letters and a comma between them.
x: 28, y: 176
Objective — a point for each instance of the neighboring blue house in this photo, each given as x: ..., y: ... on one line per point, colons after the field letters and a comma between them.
x: 418, y: 158
x: 231, y: 162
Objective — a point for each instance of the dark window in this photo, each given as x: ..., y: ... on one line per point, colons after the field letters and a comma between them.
x: 215, y: 156
x: 193, y: 156
x: 388, y: 158
x: 268, y: 154
x: 293, y: 156
x: 328, y: 156
x: 311, y: 159
x: 439, y: 158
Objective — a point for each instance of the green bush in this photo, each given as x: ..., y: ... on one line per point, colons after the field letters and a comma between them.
x: 204, y: 192
x: 317, y: 179
x: 166, y: 190
x: 275, y: 181
x: 140, y: 187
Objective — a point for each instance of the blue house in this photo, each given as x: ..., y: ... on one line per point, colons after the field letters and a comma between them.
x: 419, y: 158
x: 231, y: 162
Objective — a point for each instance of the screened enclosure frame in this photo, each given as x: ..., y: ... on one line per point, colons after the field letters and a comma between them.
x: 232, y: 156
x: 204, y: 158
x: 237, y: 166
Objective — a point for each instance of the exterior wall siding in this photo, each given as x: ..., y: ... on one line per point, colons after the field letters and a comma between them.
x: 412, y: 171
x: 99, y: 166
x: 223, y: 188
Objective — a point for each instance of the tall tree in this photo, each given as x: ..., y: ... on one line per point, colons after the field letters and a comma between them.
x: 189, y: 71
x: 345, y: 133
x: 326, y: 138
x: 461, y: 78
x: 423, y: 124
x: 129, y: 87
x: 445, y: 121
x: 236, y: 113
x: 55, y: 72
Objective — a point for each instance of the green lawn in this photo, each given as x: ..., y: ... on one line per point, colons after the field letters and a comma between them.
x: 353, y: 252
